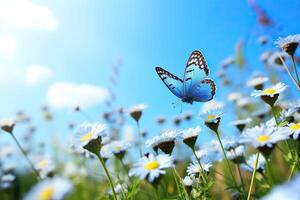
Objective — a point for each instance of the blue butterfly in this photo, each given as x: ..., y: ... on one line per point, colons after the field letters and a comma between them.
x: 195, y: 85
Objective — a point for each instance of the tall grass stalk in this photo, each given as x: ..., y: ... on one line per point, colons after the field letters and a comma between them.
x: 253, y: 176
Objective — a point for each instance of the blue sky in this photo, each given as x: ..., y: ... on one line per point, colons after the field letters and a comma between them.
x: 79, y: 41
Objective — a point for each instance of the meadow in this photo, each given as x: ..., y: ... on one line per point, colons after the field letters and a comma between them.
x: 242, y: 145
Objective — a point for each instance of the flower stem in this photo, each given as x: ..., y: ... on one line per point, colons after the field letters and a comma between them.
x: 292, y: 171
x: 274, y: 114
x: 289, y: 73
x: 125, y: 168
x: 241, y: 177
x: 26, y: 157
x: 253, y: 176
x: 176, y: 182
x: 140, y: 138
x: 295, y: 69
x: 107, y: 175
x: 226, y: 159
x: 202, y: 169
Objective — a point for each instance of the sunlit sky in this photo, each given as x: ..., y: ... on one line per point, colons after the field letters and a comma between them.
x: 78, y: 42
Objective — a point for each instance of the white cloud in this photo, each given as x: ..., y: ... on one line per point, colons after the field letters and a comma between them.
x: 35, y: 74
x: 26, y: 14
x: 69, y: 95
x: 8, y: 46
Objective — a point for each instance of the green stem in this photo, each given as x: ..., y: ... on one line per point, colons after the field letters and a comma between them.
x: 202, y: 169
x: 270, y: 172
x: 140, y: 138
x: 176, y: 182
x: 274, y: 114
x: 295, y: 69
x: 241, y: 177
x: 289, y: 73
x: 26, y: 157
x: 292, y: 171
x: 253, y: 176
x: 281, y: 150
x: 108, y: 176
x: 226, y: 159
x: 125, y: 168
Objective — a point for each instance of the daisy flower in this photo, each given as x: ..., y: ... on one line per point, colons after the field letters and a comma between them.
x: 262, y: 40
x: 50, y: 189
x: 164, y: 142
x: 72, y: 170
x: 288, y: 190
x: 89, y: 136
x: 160, y: 120
x: 117, y: 148
x: 190, y: 135
x: 236, y: 154
x: 6, y: 181
x: 212, y: 118
x: 212, y: 115
x: 275, y: 61
x: 187, y: 116
x: 270, y: 95
x: 241, y: 123
x: 7, y: 125
x: 227, y: 62
x: 194, y: 168
x: 257, y: 81
x: 188, y: 183
x: 137, y: 111
x: 250, y: 163
x: 288, y: 44
x: 271, y: 91
x: 264, y: 57
x: 44, y: 166
x: 106, y: 152
x: 177, y: 120
x: 230, y: 144
x: 264, y: 137
x: 294, y: 130
x: 207, y: 106
x: 151, y: 167
x: 243, y: 102
x: 234, y: 96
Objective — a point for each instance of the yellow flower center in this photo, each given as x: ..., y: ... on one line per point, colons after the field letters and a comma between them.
x: 118, y: 148
x: 263, y: 138
x: 46, y: 193
x: 152, y: 165
x: 295, y: 127
x: 269, y: 91
x: 42, y: 163
x: 210, y: 117
x: 86, y: 137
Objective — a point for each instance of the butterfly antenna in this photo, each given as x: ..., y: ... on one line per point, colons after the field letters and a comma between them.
x: 174, y: 103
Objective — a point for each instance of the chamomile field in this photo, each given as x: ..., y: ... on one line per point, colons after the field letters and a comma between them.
x: 149, y: 100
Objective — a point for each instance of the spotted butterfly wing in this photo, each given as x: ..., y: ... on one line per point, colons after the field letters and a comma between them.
x: 174, y: 83
x: 202, y: 91
x: 196, y: 70
x: 197, y: 86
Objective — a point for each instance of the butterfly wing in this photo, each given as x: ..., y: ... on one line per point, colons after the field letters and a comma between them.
x: 174, y: 83
x: 203, y: 91
x: 196, y: 70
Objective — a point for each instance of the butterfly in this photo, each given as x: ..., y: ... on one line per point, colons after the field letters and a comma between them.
x: 195, y: 86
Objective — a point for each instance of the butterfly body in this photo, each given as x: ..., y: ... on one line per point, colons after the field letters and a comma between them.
x: 195, y: 86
